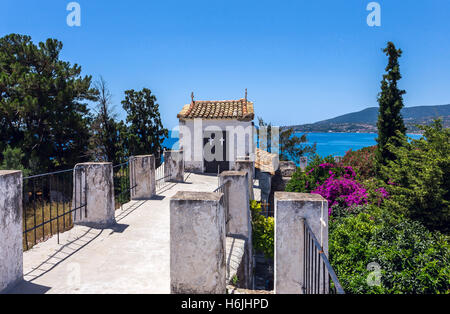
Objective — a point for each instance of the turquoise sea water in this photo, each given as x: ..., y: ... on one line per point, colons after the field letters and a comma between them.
x: 336, y: 144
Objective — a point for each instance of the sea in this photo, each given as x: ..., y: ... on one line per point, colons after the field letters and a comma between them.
x: 335, y: 144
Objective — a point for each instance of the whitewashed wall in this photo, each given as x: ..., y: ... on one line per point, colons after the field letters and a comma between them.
x: 191, y: 140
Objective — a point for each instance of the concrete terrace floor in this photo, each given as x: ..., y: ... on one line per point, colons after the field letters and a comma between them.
x: 131, y: 257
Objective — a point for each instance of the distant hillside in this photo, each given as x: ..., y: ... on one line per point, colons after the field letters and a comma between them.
x: 366, y: 120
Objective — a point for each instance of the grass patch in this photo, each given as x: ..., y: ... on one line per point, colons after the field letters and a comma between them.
x: 42, y: 214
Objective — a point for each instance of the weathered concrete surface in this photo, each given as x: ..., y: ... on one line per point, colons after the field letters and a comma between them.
x: 130, y: 257
x: 142, y: 177
x: 238, y: 203
x: 235, y: 260
x: 197, y: 243
x: 11, y: 262
x: 174, y: 165
x: 249, y: 167
x: 265, y: 184
x: 97, y: 191
x: 290, y: 209
x: 238, y: 216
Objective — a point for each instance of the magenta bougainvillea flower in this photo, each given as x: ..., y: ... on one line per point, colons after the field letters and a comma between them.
x: 342, y: 191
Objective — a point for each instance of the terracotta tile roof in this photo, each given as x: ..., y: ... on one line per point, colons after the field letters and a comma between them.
x: 218, y: 109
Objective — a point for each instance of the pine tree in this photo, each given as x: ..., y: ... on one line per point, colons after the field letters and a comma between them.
x: 43, y: 104
x: 391, y: 128
x: 145, y: 132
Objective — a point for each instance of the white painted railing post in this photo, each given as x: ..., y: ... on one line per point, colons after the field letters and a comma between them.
x: 11, y: 229
x: 93, y: 187
x: 290, y: 210
x: 142, y: 177
x: 197, y: 243
x: 174, y: 165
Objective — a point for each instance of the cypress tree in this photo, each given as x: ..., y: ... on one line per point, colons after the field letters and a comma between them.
x: 391, y: 128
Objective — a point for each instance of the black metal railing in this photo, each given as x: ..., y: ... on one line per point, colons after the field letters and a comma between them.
x: 318, y: 275
x: 124, y: 183
x: 161, y: 178
x: 51, y: 202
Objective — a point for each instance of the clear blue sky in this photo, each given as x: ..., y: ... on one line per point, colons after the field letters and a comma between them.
x: 302, y: 61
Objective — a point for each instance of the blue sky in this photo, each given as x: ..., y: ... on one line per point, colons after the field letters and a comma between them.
x: 302, y: 61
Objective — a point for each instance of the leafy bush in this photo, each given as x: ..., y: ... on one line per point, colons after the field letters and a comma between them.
x: 419, y: 178
x: 362, y: 161
x: 263, y: 231
x: 315, y: 174
x: 12, y: 160
x: 411, y: 258
x: 336, y: 183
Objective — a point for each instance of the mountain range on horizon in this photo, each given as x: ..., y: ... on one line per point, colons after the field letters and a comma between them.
x: 365, y: 121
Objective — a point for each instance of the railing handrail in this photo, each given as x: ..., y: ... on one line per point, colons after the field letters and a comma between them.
x: 122, y: 164
x: 47, y: 174
x: 220, y: 187
x: 63, y: 171
x: 330, y: 269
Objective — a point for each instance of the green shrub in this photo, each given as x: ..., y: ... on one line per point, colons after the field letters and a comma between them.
x: 263, y: 231
x: 411, y: 258
x: 419, y: 178
x: 313, y: 176
x: 12, y: 160
x: 361, y: 161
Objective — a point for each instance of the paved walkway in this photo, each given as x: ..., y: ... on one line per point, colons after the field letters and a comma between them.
x: 131, y: 257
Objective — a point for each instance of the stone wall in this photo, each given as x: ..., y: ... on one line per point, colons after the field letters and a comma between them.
x: 174, y: 165
x: 11, y: 224
x: 142, y: 176
x: 290, y: 209
x: 265, y: 185
x: 235, y: 257
x: 249, y: 167
x: 197, y: 243
x: 238, y: 216
x: 281, y: 179
x: 97, y: 191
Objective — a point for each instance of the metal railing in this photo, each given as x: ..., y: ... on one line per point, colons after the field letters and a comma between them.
x: 318, y: 274
x: 124, y: 176
x: 161, y: 178
x: 51, y: 201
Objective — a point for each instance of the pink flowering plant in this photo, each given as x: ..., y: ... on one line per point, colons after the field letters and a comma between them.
x: 337, y: 183
x: 342, y: 191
